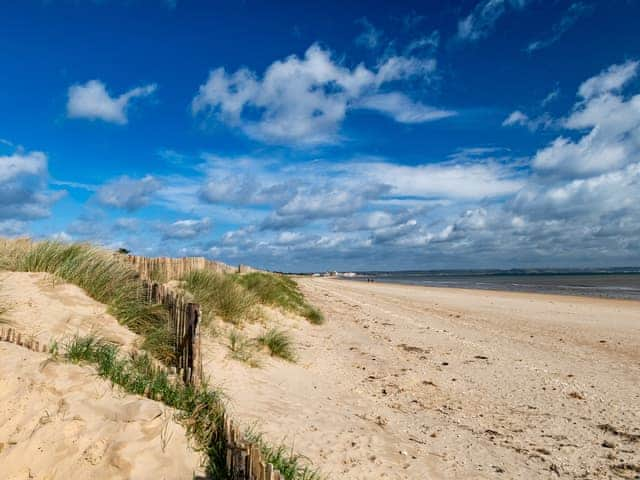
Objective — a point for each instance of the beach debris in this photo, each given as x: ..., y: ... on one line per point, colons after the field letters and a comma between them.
x: 608, y: 444
x: 445, y: 363
x: 481, y: 357
x: 576, y: 395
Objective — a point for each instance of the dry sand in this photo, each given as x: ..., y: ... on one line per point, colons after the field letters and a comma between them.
x: 409, y: 382
x: 60, y: 421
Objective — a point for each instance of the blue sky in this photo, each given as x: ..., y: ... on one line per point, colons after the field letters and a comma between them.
x: 291, y: 136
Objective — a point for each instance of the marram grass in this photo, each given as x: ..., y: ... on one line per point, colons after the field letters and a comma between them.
x: 279, y: 343
x: 104, y: 277
x: 219, y: 294
x: 200, y: 409
x: 280, y: 291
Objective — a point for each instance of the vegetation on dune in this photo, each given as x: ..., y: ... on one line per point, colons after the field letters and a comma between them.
x: 279, y: 343
x: 110, y: 281
x: 242, y: 348
x: 200, y: 409
x: 280, y: 291
x: 219, y: 294
x: 282, y: 458
x: 104, y: 278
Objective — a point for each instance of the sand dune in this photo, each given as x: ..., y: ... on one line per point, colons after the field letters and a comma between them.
x: 46, y: 308
x: 416, y: 383
x: 61, y: 421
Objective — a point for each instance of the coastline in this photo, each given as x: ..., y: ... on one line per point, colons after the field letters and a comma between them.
x: 408, y: 382
x: 569, y: 292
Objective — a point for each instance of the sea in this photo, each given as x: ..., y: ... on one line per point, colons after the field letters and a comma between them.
x: 623, y: 283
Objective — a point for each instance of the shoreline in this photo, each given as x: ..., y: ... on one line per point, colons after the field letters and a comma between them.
x: 478, y: 289
x: 443, y: 383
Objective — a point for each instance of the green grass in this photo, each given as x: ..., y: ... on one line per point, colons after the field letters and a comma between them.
x: 279, y: 343
x: 242, y: 348
x: 200, y: 409
x: 219, y: 294
x: 284, y: 459
x: 280, y: 291
x: 104, y: 277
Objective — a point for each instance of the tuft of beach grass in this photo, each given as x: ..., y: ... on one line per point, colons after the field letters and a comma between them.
x: 279, y: 343
x: 242, y: 348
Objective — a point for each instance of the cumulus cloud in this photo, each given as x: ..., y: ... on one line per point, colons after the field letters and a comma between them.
x: 303, y: 101
x: 481, y: 21
x: 613, y: 124
x: 610, y: 80
x: 128, y: 193
x: 186, y: 229
x: 24, y: 193
x: 463, y: 181
x: 572, y: 15
x: 93, y: 101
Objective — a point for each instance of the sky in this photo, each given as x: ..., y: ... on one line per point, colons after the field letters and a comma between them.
x: 299, y: 136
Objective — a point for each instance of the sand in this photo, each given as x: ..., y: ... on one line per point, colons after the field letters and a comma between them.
x: 407, y: 382
x: 61, y: 421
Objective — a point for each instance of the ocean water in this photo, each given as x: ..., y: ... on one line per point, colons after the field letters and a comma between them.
x: 625, y: 284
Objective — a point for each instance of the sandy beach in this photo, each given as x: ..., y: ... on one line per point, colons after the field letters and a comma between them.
x: 61, y: 421
x: 408, y: 382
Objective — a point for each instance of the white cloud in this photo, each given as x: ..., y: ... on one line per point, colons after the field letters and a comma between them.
x: 93, y: 101
x: 12, y: 228
x: 519, y: 118
x: 613, y: 124
x: 128, y: 193
x: 481, y: 21
x: 370, y: 37
x: 462, y: 181
x: 553, y: 95
x: 423, y: 44
x: 574, y: 13
x: 23, y: 186
x: 610, y: 80
x: 186, y: 229
x: 402, y: 109
x: 301, y: 101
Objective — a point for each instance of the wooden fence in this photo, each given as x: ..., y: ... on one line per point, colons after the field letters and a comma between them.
x: 164, y: 269
x: 244, y: 459
x: 184, y: 324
